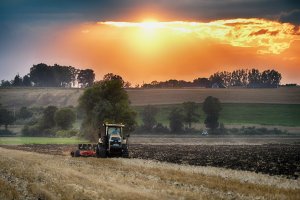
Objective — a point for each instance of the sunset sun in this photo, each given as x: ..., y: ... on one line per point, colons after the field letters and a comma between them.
x: 150, y: 24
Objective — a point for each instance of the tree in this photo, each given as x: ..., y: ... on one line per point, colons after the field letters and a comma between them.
x: 41, y: 75
x: 26, y: 81
x: 64, y: 118
x: 86, y: 77
x: 5, y: 83
x: 24, y: 113
x: 254, y: 78
x: 6, y: 117
x: 226, y: 77
x: 216, y: 78
x: 48, y: 118
x: 176, y: 120
x: 17, y: 81
x: 270, y: 78
x: 202, y: 82
x: 190, y: 113
x: 212, y: 108
x: 244, y: 77
x: 54, y: 76
x: 239, y: 78
x: 106, y: 101
x: 148, y: 117
x: 127, y: 84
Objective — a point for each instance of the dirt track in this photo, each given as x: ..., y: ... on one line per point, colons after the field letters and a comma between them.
x: 29, y: 176
x: 272, y: 159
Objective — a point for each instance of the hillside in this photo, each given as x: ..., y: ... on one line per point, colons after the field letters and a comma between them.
x: 30, y: 97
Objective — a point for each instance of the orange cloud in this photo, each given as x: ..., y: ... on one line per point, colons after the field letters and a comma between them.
x: 269, y: 36
x: 151, y: 50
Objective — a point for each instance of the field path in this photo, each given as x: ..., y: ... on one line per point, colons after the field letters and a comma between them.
x: 29, y: 175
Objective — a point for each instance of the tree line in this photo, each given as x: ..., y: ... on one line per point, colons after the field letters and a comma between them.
x: 43, y: 75
x: 252, y: 78
x: 49, y: 121
x: 182, y: 117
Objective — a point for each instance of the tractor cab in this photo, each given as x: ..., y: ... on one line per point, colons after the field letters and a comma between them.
x: 114, y: 134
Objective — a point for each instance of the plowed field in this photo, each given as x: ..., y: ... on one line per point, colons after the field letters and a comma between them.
x: 272, y: 159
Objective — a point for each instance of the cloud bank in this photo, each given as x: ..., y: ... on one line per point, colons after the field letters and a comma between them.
x: 268, y: 36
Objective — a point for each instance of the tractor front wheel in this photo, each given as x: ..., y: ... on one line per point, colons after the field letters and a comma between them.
x: 101, y: 151
x: 77, y: 153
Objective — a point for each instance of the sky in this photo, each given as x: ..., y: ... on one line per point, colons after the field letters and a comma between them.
x: 145, y: 41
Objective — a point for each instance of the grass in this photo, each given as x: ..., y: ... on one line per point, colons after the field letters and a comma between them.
x: 241, y: 113
x: 38, y: 140
x: 264, y: 114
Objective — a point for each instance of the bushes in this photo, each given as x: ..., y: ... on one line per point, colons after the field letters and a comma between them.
x: 160, y: 128
x: 37, y: 131
x: 6, y: 133
x: 64, y: 118
x: 6, y: 117
x: 54, y: 122
x: 24, y: 113
x: 247, y: 131
x: 66, y: 133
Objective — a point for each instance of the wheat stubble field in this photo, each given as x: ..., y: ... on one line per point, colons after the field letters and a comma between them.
x: 29, y: 175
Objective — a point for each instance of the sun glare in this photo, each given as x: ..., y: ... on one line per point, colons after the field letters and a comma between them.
x: 150, y: 24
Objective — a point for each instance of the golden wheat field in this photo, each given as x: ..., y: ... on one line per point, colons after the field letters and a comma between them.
x: 30, y: 97
x: 29, y: 175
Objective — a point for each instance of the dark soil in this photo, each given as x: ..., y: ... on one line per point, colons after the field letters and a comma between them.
x: 272, y: 159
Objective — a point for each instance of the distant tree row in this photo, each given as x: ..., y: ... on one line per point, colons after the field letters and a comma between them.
x: 238, y: 78
x: 43, y: 75
x: 183, y: 116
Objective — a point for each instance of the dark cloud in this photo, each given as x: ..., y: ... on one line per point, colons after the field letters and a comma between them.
x: 291, y: 17
x: 126, y: 9
x: 17, y: 14
x: 260, y: 32
x: 263, y: 32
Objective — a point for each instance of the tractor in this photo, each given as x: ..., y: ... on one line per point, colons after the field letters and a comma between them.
x: 112, y: 142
